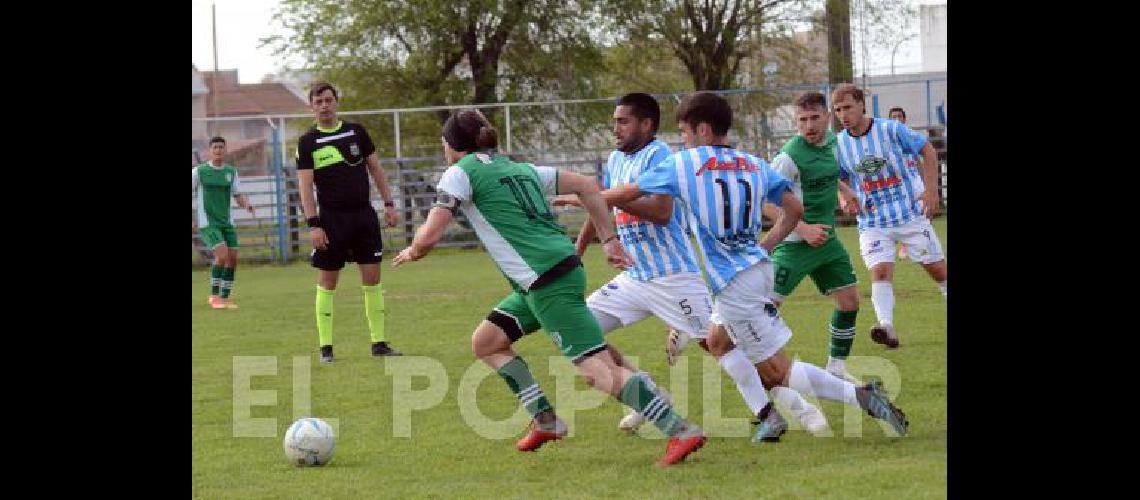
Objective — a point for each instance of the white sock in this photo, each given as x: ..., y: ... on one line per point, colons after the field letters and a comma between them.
x: 814, y: 381
x: 790, y: 399
x: 837, y: 363
x: 883, y: 298
x: 748, y: 382
x: 942, y: 286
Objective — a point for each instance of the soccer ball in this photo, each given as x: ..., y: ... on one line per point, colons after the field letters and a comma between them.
x: 309, y: 442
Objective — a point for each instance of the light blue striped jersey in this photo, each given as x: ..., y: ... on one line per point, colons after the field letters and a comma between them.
x: 656, y: 250
x: 876, y: 162
x: 723, y: 190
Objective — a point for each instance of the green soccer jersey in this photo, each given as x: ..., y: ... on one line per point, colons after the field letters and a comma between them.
x: 814, y: 172
x: 506, y: 204
x: 213, y: 188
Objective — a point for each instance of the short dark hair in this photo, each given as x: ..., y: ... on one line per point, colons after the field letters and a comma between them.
x: 706, y: 107
x: 896, y: 108
x: 810, y: 100
x: 321, y: 87
x: 468, y: 130
x: 643, y: 106
x: 217, y: 138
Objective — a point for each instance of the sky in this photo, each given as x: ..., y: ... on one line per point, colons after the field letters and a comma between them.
x: 241, y: 23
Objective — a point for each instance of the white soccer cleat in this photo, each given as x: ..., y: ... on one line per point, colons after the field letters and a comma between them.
x: 812, y: 420
x: 631, y: 422
x: 675, y: 342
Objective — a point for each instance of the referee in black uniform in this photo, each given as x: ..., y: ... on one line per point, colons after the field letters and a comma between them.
x: 337, y: 157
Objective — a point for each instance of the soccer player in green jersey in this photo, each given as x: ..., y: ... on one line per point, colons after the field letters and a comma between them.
x: 214, y: 183
x: 506, y: 203
x: 812, y: 249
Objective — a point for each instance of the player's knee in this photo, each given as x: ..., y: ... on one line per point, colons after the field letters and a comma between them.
x: 848, y: 300
x: 717, y: 345
x: 769, y: 381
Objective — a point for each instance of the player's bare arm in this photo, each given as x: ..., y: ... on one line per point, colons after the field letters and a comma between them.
x: 587, y: 191
x: 814, y: 234
x: 427, y: 235
x: 793, y: 211
x: 930, y: 179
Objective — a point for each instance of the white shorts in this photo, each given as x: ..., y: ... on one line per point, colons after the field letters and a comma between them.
x: 877, y: 244
x: 745, y: 310
x: 681, y: 300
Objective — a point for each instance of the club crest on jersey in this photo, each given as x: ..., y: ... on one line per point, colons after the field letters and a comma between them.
x: 870, y: 165
x: 229, y: 177
x: 354, y: 149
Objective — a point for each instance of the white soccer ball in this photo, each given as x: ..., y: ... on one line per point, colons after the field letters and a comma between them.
x: 309, y: 442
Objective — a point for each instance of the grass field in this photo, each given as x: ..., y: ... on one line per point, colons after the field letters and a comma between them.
x: 433, y: 305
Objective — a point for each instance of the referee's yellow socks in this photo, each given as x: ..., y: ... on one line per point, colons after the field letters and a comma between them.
x: 325, y: 315
x: 374, y: 309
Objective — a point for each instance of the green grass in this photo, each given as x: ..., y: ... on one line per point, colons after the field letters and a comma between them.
x: 433, y: 305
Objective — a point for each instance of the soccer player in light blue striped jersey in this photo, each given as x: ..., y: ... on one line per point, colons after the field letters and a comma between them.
x: 891, y: 207
x: 664, y: 280
x: 722, y: 190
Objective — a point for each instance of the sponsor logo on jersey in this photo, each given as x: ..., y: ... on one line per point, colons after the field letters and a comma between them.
x: 870, y: 165
x: 881, y: 183
x: 354, y: 149
x: 736, y: 164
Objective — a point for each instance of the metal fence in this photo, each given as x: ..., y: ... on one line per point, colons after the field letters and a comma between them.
x: 574, y: 135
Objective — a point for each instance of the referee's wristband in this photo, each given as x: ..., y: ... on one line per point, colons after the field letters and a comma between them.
x: 313, y: 222
x: 612, y: 237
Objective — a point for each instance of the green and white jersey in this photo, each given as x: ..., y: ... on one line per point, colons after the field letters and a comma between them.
x: 814, y: 172
x: 506, y: 204
x: 213, y: 187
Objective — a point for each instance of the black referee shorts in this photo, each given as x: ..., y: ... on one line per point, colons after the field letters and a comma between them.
x: 354, y: 236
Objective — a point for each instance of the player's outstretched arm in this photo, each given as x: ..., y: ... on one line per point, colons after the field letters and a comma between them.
x: 595, y: 205
x: 656, y: 208
x: 585, y: 236
x: 791, y: 213
x: 427, y: 235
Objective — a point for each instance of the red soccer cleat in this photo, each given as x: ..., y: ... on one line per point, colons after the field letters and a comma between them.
x: 681, y: 445
x: 537, y: 436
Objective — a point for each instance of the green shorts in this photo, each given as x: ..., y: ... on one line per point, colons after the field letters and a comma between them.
x: 558, y: 307
x: 828, y: 265
x: 213, y: 236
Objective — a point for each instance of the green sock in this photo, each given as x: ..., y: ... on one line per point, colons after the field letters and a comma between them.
x: 215, y: 278
x: 325, y: 315
x: 374, y: 310
x: 519, y: 379
x: 228, y: 281
x: 842, y: 330
x: 637, y: 394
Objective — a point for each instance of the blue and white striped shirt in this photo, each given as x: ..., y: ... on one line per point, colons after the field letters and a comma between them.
x: 723, y: 190
x: 877, y: 163
x: 657, y: 250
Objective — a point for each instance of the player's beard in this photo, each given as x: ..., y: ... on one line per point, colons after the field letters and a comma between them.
x: 633, y: 144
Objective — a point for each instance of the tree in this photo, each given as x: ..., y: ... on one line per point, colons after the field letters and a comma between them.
x: 839, y: 65
x: 391, y: 53
x: 709, y: 37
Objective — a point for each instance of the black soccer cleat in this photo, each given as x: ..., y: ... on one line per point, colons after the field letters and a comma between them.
x: 382, y: 349
x: 326, y: 354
